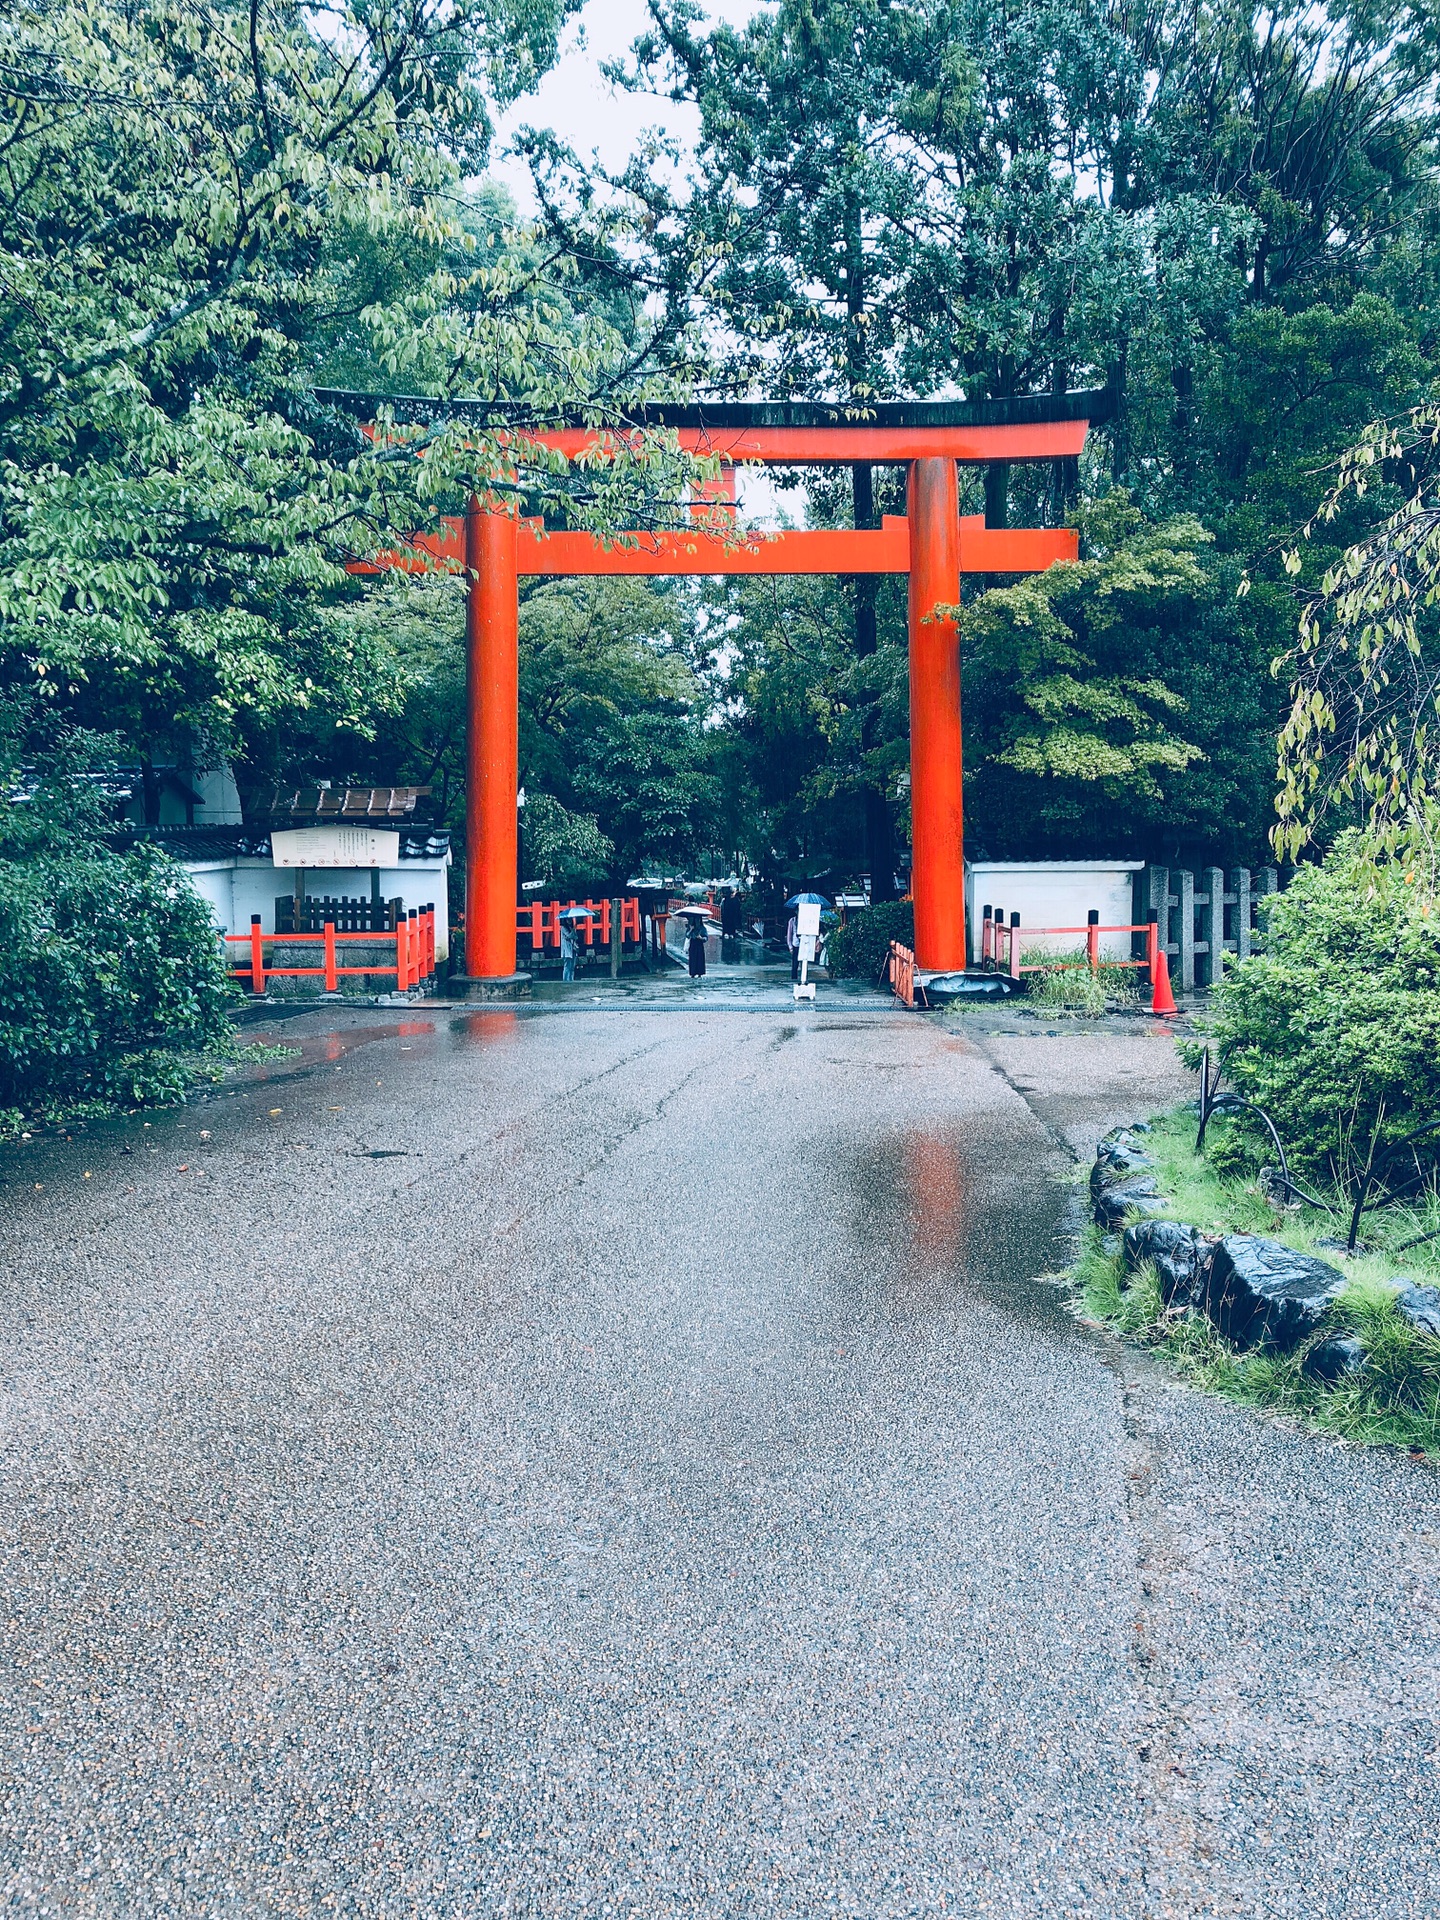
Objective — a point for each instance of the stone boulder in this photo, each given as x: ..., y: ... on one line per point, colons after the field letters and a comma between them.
x: 1138, y: 1195
x: 1257, y: 1290
x: 1420, y: 1306
x: 1120, y: 1183
x: 1335, y: 1358
x: 1179, y: 1254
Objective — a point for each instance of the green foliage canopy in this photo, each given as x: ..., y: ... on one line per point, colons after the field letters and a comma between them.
x: 200, y: 207
x: 1334, y: 1026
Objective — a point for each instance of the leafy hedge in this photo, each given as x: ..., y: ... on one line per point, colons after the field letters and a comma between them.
x: 1334, y: 1026
x: 111, y: 978
x: 857, y: 950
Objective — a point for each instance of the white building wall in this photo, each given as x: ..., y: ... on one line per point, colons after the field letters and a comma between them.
x: 219, y: 798
x: 1053, y: 893
x: 239, y: 887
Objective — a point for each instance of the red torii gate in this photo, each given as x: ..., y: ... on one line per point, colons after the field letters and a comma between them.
x: 932, y: 544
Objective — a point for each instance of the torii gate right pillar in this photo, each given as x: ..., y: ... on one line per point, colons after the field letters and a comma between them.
x: 937, y: 874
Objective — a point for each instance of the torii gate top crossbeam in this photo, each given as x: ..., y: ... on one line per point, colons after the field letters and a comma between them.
x: 813, y: 433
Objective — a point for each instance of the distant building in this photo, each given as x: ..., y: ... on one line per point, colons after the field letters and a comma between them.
x: 360, y: 847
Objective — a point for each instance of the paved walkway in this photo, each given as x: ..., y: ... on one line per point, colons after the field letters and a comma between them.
x: 622, y: 1464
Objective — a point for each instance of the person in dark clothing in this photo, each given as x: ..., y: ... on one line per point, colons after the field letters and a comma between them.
x: 695, y: 952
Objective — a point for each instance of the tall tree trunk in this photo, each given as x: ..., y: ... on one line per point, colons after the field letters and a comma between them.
x: 1119, y: 435
x: 1065, y: 472
x: 1182, y: 426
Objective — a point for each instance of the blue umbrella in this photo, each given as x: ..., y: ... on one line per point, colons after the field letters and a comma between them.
x: 808, y: 900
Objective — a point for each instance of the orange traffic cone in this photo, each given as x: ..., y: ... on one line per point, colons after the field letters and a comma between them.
x: 1162, y: 1001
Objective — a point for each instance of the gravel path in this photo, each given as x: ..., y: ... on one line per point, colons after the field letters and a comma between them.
x: 621, y: 1464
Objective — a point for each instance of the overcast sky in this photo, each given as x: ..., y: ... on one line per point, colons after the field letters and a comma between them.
x: 582, y: 108
x: 592, y: 117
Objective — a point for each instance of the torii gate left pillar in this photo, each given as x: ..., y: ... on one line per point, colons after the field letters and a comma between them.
x: 937, y: 829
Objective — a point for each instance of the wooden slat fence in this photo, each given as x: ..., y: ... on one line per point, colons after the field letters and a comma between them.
x: 347, y: 913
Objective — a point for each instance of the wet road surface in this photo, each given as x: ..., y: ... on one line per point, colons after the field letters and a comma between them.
x: 622, y: 1464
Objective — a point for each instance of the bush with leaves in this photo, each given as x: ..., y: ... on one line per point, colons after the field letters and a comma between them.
x: 857, y: 950
x: 1334, y: 1025
x: 564, y: 848
x: 111, y: 978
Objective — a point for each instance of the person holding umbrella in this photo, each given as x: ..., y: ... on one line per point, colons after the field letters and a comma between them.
x: 695, y: 941
x: 570, y: 922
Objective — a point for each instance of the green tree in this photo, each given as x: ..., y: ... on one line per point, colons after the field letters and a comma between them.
x: 199, y: 206
x: 112, y: 982
x: 785, y: 252
x: 1359, y: 745
x: 1071, y: 696
x: 616, y: 756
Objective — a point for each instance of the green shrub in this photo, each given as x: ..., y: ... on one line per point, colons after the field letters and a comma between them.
x: 111, y: 977
x: 1334, y: 1026
x: 857, y: 950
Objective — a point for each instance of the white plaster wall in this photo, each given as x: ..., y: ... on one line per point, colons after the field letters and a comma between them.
x: 212, y: 880
x: 1055, y: 893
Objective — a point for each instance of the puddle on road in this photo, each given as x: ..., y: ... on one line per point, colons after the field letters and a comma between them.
x: 324, y: 1049
x: 494, y: 1025
x: 328, y: 1049
x: 950, y: 1226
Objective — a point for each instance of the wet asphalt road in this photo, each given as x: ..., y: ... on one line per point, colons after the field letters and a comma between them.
x: 622, y: 1464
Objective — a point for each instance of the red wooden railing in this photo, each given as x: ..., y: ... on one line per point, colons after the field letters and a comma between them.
x: 902, y: 976
x: 541, y: 920
x: 414, y: 939
x: 1000, y: 945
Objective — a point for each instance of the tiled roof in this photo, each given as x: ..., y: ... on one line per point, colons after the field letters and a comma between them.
x: 340, y: 803
x: 206, y: 843
x: 228, y: 843
x: 424, y: 843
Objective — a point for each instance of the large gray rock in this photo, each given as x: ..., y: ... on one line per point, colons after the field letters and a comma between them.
x: 1139, y: 1195
x: 1421, y: 1307
x: 1335, y: 1358
x: 1257, y: 1290
x: 1120, y: 1181
x: 1118, y: 1154
x: 1179, y: 1254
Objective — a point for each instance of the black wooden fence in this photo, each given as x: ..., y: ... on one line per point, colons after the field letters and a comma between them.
x: 1203, y: 916
x: 347, y: 913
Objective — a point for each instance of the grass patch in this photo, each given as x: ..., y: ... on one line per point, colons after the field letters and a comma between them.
x: 1394, y: 1400
x: 1069, y: 987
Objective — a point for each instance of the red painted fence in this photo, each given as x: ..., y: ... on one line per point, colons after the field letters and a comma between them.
x: 902, y: 976
x: 1000, y: 945
x: 541, y: 921
x: 413, y: 938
